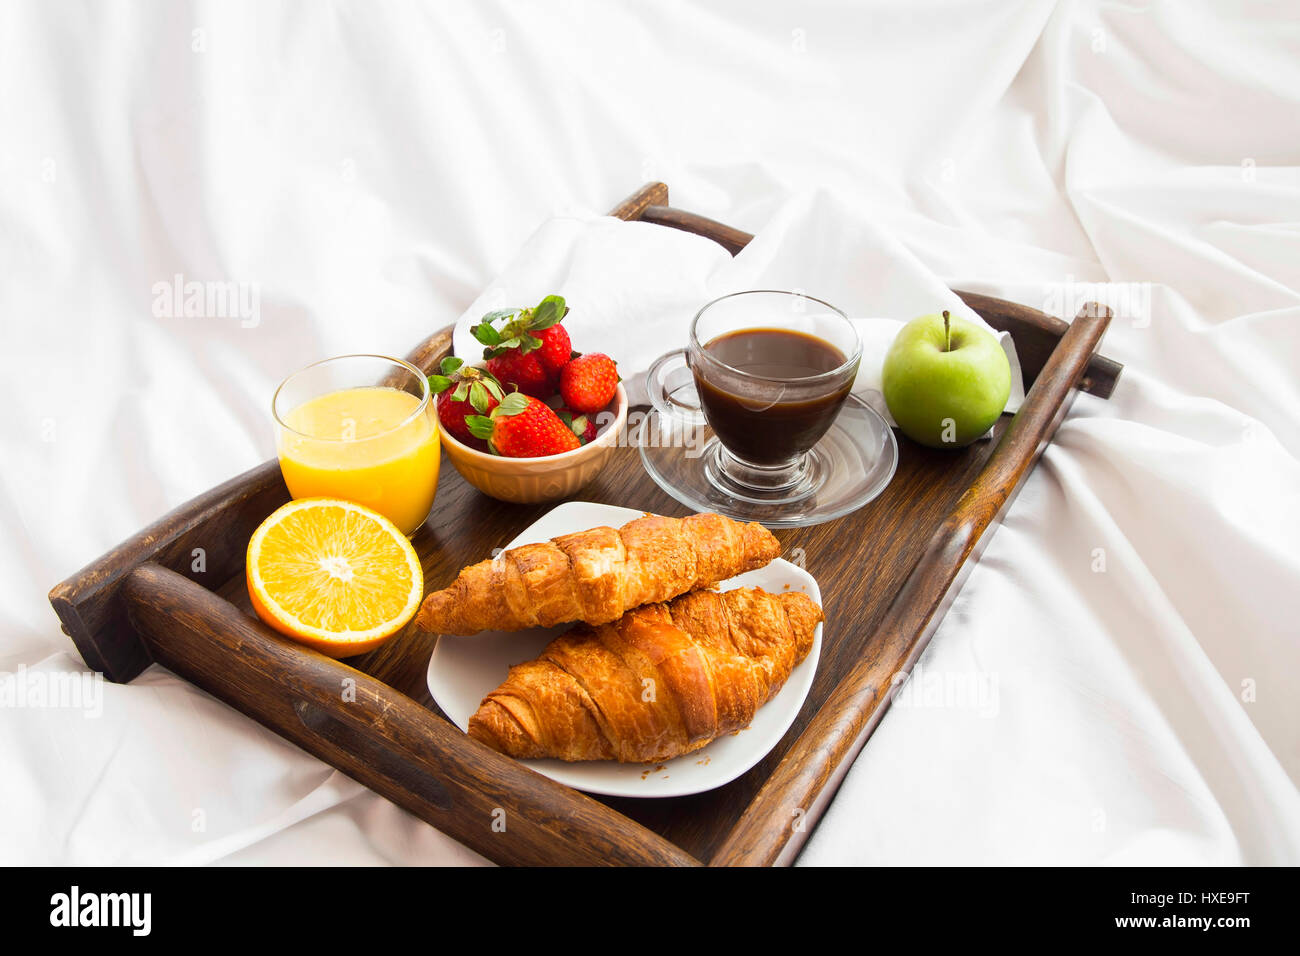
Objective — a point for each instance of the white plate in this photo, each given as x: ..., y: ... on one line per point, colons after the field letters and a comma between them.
x: 464, y: 670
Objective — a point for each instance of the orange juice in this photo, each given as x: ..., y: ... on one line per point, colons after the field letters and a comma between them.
x: 373, y: 445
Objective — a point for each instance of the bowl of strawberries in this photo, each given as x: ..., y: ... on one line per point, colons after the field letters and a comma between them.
x: 534, y: 420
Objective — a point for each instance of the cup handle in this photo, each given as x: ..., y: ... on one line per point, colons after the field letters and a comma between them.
x: 671, y: 387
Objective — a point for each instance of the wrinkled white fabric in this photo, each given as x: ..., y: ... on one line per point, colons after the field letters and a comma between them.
x: 1116, y: 682
x: 632, y: 289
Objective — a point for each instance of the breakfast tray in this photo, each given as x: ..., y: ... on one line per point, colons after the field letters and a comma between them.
x: 372, y: 717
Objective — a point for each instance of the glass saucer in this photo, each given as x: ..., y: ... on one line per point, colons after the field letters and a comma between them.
x: 849, y: 467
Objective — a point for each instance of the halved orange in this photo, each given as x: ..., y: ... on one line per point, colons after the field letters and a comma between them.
x: 334, y: 575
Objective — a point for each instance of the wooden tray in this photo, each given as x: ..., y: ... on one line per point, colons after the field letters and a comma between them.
x: 143, y: 602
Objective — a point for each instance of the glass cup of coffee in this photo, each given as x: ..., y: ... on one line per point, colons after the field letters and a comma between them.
x: 769, y: 372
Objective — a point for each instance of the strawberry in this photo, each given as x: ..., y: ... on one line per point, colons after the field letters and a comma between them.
x: 462, y: 391
x: 556, y: 349
x: 529, y: 349
x: 525, y: 373
x: 588, y: 383
x: 523, y: 427
x: 584, y: 426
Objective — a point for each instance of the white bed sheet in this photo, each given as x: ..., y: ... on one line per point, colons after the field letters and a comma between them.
x: 1117, y: 682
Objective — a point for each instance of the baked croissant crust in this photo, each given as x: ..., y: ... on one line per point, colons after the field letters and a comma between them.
x: 594, y: 576
x: 662, y: 681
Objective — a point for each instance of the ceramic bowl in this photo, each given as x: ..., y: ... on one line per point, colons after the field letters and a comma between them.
x: 529, y: 480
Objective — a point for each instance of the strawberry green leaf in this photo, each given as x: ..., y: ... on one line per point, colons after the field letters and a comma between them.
x: 439, y: 384
x: 548, y: 312
x: 493, y: 386
x: 497, y: 314
x: 485, y: 334
x: 528, y: 343
x: 478, y: 398
x: 480, y: 426
x: 512, y: 404
x: 462, y: 390
x: 450, y: 364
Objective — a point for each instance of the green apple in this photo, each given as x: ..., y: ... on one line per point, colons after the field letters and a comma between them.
x: 946, y: 380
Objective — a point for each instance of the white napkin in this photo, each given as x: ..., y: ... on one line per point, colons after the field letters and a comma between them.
x: 633, y: 287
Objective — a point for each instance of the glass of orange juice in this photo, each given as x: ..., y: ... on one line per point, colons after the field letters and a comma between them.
x: 361, y: 428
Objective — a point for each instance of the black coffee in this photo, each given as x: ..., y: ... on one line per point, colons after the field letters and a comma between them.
x: 754, y: 422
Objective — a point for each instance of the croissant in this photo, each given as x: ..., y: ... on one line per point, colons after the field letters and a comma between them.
x: 594, y: 576
x: 662, y: 681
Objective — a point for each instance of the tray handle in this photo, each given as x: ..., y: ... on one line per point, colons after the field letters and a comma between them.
x: 378, y: 735
x: 432, y: 350
x: 204, y: 538
x: 1036, y: 333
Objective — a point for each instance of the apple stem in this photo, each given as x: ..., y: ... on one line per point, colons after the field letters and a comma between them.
x: 947, y: 333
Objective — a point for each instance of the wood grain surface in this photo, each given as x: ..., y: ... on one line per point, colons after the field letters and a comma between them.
x: 379, y: 736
